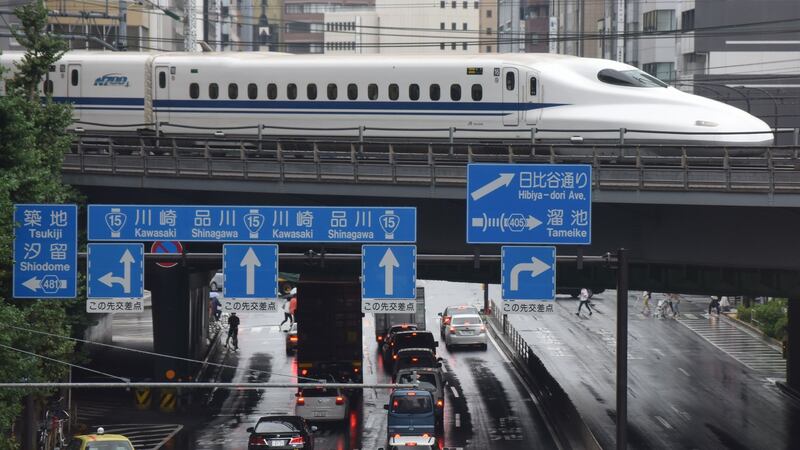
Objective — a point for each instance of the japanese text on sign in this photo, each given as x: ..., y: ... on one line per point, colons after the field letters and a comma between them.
x: 388, y: 306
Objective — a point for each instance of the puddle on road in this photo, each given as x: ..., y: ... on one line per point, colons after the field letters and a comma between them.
x: 505, y: 424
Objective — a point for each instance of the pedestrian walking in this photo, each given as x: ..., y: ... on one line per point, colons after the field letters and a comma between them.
x: 293, y: 305
x: 216, y: 306
x: 646, y: 302
x: 674, y: 304
x: 233, y: 330
x: 713, y: 305
x: 287, y: 316
x: 584, y: 297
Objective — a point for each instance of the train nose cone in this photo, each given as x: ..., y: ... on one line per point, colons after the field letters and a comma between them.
x: 718, y: 119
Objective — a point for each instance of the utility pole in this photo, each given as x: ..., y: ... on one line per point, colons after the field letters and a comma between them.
x: 122, y: 32
x: 190, y: 30
x: 619, y: 27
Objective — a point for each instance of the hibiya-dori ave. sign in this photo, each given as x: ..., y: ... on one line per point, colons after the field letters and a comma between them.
x: 252, y: 223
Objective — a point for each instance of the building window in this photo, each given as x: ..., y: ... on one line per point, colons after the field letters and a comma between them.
x: 659, y: 20
x: 48, y: 87
x: 441, y: 26
x: 488, y: 13
x: 489, y: 31
x: 452, y: 46
x: 455, y: 92
x: 463, y: 45
x: 291, y: 91
x: 453, y: 26
x: 213, y: 91
x: 477, y: 5
x: 332, y: 91
x: 687, y: 20
x: 511, y: 82
x: 533, y: 86
x: 252, y: 91
x: 441, y: 45
x: 413, y: 92
x: 233, y: 91
x: 435, y: 92
x: 441, y: 4
x: 661, y: 70
x: 352, y: 91
x: 311, y: 91
x: 488, y: 49
x: 394, y: 91
x: 454, y: 4
x: 477, y: 92
x: 466, y: 5
x: 464, y: 26
x: 272, y: 91
x: 194, y: 90
x: 372, y: 91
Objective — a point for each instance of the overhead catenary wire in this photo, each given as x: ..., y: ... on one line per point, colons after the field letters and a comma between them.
x: 58, y: 361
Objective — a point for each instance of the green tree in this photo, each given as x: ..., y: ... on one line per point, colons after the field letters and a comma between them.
x: 33, y: 140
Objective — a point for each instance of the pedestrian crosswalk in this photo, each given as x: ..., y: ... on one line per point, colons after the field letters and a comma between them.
x: 744, y: 347
x: 145, y: 436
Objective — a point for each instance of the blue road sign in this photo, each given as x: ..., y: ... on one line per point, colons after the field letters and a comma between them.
x: 45, y: 251
x: 115, y: 271
x: 250, y: 271
x: 529, y: 204
x: 389, y: 272
x: 252, y: 223
x: 528, y: 273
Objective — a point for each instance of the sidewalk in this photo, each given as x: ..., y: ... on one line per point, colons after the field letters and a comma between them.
x: 683, y: 392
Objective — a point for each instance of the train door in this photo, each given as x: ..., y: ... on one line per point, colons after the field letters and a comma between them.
x: 161, y: 88
x: 510, y: 96
x: 74, y: 88
x: 533, y: 95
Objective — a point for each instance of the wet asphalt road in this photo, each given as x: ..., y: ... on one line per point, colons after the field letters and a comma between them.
x: 486, y: 407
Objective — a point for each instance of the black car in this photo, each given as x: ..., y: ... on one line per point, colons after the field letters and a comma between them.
x: 281, y: 432
x: 408, y: 339
x: 414, y: 357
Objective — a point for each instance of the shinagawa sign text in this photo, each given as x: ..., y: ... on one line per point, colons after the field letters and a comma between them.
x: 252, y: 223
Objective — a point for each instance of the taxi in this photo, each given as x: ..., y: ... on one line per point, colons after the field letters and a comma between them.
x: 100, y: 441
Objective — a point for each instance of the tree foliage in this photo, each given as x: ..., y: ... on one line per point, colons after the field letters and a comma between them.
x: 33, y: 140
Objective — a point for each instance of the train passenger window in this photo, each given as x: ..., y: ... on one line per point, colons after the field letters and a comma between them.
x: 48, y: 87
x: 455, y: 92
x: 372, y: 91
x: 291, y: 91
x: 213, y: 91
x: 333, y: 92
x: 394, y: 91
x: 233, y: 91
x: 352, y: 91
x: 74, y: 77
x: 311, y: 91
x: 413, y: 91
x: 477, y: 92
x: 533, y: 86
x: 272, y: 91
x: 252, y: 91
x: 162, y: 80
x: 435, y: 92
x: 511, y: 82
x: 194, y: 90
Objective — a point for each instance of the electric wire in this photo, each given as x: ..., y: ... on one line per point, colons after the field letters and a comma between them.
x: 127, y: 380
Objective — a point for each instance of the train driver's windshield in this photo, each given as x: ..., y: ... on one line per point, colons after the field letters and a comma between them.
x: 631, y: 78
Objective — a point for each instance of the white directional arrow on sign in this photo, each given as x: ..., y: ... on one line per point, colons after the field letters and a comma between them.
x: 389, y: 262
x: 109, y: 278
x: 503, y: 180
x: 251, y: 261
x: 32, y: 284
x: 532, y: 222
x: 536, y: 267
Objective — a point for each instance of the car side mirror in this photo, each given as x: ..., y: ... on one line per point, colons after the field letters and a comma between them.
x: 386, y: 407
x: 314, y: 428
x: 435, y: 343
x: 297, y: 394
x: 440, y: 314
x: 251, y: 429
x: 438, y: 365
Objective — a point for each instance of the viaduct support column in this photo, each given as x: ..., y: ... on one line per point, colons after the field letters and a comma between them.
x: 793, y: 347
x: 180, y: 318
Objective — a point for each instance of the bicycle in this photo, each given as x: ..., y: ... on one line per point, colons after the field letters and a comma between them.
x: 51, y: 433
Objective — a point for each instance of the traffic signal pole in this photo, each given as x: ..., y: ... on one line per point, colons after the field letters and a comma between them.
x: 622, y: 349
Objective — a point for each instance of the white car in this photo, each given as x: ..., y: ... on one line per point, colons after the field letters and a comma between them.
x: 465, y: 329
x: 217, y: 282
x: 321, y: 405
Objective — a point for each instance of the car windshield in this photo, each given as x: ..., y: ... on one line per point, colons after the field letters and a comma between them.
x: 427, y: 381
x: 630, y: 78
x: 109, y: 445
x: 475, y: 320
x: 461, y: 310
x: 411, y: 404
x: 276, y: 426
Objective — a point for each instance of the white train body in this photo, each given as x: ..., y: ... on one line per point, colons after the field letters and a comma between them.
x: 561, y: 97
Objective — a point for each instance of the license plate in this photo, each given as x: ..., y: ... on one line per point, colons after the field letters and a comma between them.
x: 277, y: 443
x: 319, y: 413
x: 467, y: 332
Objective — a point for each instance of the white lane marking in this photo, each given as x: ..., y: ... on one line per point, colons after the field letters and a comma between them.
x: 683, y: 371
x: 664, y: 422
x: 444, y: 368
x: 660, y: 353
x: 455, y: 393
x: 458, y: 420
x: 256, y: 330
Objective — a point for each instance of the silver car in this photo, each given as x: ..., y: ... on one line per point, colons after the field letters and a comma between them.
x: 465, y: 329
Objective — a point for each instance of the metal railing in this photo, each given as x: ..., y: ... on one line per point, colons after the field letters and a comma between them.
x: 432, y: 162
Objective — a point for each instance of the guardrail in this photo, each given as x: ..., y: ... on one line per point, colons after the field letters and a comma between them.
x: 438, y: 163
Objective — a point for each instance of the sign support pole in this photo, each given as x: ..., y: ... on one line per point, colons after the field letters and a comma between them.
x: 622, y: 348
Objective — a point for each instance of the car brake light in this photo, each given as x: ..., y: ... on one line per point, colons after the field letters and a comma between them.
x: 394, y: 356
x: 356, y: 370
x: 380, y: 338
x: 483, y: 327
x: 297, y: 440
x: 446, y: 320
x: 411, y: 444
x: 452, y: 330
x: 413, y: 334
x: 301, y: 400
x: 258, y: 440
x: 292, y: 338
x: 304, y: 372
x: 411, y: 394
x: 340, y: 400
x: 440, y: 403
x: 414, y: 359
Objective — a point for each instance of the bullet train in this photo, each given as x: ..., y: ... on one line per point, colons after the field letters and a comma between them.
x: 485, y: 97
